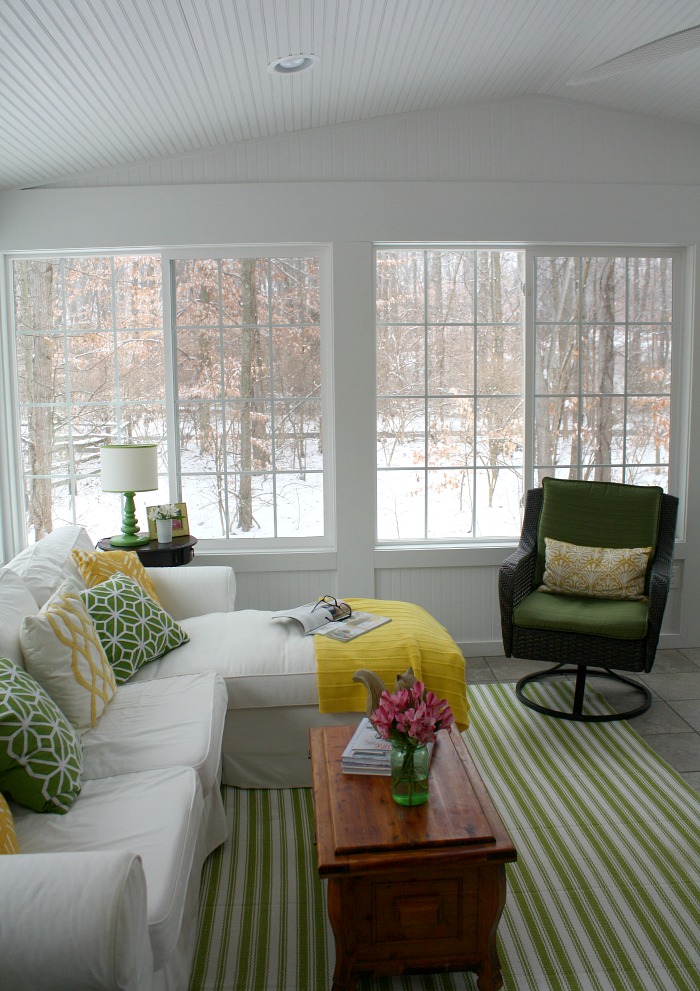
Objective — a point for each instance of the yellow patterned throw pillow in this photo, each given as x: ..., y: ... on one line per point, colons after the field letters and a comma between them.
x: 62, y: 651
x: 596, y: 572
x: 96, y: 567
x: 8, y: 838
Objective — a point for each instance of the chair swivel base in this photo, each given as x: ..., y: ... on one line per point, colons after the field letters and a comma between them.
x: 577, y: 714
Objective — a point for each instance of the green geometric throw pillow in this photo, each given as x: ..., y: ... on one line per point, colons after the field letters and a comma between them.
x: 41, y: 756
x: 133, y: 629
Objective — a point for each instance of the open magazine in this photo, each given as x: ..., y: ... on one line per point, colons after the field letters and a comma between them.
x: 331, y: 618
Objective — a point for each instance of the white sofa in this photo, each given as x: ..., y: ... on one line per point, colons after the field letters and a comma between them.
x: 106, y: 895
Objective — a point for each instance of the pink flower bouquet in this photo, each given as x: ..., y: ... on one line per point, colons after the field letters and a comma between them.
x: 411, y: 716
x: 410, y: 719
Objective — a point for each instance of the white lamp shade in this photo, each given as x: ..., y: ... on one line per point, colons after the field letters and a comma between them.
x: 129, y: 467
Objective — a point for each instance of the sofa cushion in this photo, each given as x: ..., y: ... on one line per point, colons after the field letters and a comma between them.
x: 96, y: 567
x: 263, y: 663
x: 166, y: 723
x: 63, y: 652
x: 155, y: 814
x: 44, y: 565
x: 576, y: 614
x: 596, y: 572
x: 8, y: 837
x: 16, y: 602
x: 132, y: 627
x: 41, y: 758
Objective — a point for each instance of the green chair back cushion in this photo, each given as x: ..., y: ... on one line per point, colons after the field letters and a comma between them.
x: 597, y: 514
x: 624, y: 620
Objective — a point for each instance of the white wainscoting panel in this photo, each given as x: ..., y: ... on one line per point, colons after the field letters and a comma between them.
x: 280, y: 589
x: 464, y: 600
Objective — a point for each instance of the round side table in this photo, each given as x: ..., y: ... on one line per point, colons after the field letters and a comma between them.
x: 179, y: 551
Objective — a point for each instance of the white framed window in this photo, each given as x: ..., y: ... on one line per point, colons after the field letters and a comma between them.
x: 450, y: 428
x: 603, y: 343
x: 217, y: 358
x: 88, y: 358
x: 251, y: 390
x: 498, y: 366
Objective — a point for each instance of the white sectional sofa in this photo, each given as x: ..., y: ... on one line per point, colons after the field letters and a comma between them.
x: 105, y: 896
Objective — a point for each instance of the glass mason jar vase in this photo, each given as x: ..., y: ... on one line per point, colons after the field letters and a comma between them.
x: 409, y: 773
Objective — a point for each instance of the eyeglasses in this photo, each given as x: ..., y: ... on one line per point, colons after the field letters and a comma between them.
x: 338, y: 610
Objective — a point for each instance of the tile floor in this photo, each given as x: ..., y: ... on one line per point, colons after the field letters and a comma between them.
x: 671, y: 725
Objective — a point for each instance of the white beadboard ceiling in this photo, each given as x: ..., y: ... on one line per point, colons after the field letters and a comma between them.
x: 93, y: 85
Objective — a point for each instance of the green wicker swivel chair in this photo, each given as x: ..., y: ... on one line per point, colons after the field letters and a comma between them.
x: 583, y: 635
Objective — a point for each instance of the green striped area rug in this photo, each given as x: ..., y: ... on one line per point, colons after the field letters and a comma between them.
x: 604, y: 896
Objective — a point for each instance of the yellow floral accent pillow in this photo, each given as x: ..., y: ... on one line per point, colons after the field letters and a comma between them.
x: 62, y: 651
x: 596, y: 572
x: 96, y: 567
x: 8, y: 837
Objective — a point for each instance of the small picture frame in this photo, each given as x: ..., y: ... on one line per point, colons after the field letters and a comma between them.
x: 181, y: 526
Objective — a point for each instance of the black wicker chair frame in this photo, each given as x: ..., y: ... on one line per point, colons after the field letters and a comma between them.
x: 578, y: 653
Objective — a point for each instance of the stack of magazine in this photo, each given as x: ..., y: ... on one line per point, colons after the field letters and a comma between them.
x: 368, y: 753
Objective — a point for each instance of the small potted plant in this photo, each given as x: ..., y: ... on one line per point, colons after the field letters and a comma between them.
x: 409, y: 719
x: 164, y: 516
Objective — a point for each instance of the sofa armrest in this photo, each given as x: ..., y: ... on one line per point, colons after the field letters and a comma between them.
x: 74, y: 920
x: 194, y: 591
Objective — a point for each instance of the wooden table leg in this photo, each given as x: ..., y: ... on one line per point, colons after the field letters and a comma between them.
x: 493, y: 900
x: 341, y: 916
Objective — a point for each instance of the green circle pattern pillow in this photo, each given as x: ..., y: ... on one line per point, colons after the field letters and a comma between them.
x: 133, y: 629
x: 41, y: 756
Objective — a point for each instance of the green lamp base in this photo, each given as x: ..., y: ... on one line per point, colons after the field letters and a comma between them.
x: 130, y: 536
x: 127, y: 540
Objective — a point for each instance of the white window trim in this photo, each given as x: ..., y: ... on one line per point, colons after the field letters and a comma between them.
x: 12, y: 531
x: 392, y: 552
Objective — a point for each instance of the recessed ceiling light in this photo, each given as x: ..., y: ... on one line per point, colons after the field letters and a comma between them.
x: 293, y: 63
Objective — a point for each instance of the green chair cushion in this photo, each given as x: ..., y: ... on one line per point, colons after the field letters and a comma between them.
x: 597, y: 514
x: 624, y: 620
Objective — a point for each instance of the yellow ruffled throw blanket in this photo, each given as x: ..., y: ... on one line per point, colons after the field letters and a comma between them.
x: 413, y: 638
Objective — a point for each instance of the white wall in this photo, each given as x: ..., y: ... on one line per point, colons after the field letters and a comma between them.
x: 457, y: 584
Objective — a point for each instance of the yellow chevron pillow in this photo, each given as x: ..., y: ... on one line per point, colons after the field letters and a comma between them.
x: 62, y: 651
x: 595, y: 572
x: 96, y: 567
x: 8, y: 837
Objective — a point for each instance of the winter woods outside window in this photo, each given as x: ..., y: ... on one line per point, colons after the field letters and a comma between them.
x: 89, y: 363
x: 462, y: 428
x: 89, y: 345
x: 495, y: 367
x: 248, y: 345
x: 603, y: 330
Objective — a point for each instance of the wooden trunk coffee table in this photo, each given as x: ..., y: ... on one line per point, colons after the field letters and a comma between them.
x: 409, y: 889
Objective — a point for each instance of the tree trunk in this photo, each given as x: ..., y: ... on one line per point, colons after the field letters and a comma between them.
x: 249, y: 306
x: 37, y: 314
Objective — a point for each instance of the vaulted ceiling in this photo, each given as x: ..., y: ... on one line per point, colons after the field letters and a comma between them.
x: 87, y: 85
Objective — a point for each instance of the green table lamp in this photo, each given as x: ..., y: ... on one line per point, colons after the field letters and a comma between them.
x: 129, y: 468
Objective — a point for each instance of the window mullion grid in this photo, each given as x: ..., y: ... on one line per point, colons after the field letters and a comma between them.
x: 579, y: 329
x: 426, y: 475
x: 626, y: 369
x: 72, y: 480
x: 172, y: 409
x: 273, y: 433
x: 529, y: 384
x: 222, y: 393
x: 475, y: 400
